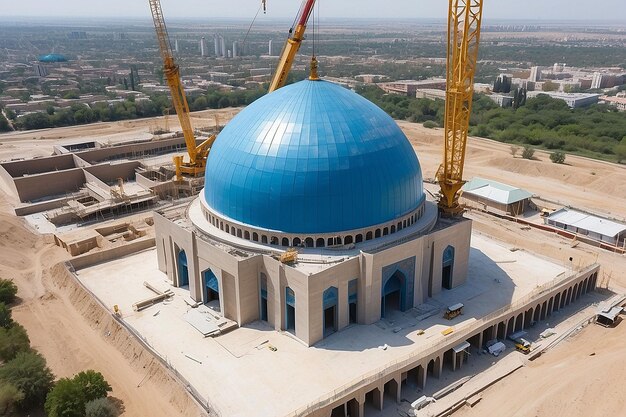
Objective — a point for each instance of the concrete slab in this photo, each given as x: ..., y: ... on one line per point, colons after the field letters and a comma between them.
x: 240, y: 374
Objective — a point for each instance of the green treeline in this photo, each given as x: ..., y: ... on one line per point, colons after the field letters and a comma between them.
x: 597, y: 131
x: 79, y: 114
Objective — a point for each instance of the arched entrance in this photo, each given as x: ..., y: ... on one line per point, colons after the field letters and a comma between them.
x: 183, y: 271
x: 211, y: 288
x: 393, y: 294
x: 263, y: 303
x: 447, y: 267
x: 290, y: 310
x: 329, y: 300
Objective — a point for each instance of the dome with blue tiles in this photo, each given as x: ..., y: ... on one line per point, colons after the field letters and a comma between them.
x: 312, y: 157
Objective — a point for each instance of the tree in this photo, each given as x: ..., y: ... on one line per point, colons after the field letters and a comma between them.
x: 620, y: 152
x: 101, y: 407
x: 28, y: 373
x: 93, y: 384
x: 550, y: 86
x: 557, y: 157
x: 497, y: 86
x: 66, y: 399
x: 528, y: 152
x: 4, y: 124
x: 10, y: 397
x: 429, y: 124
x: 8, y: 291
x: 6, y: 319
x: 514, y: 150
x: 13, y: 341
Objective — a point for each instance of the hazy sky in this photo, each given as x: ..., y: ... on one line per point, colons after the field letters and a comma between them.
x: 613, y: 10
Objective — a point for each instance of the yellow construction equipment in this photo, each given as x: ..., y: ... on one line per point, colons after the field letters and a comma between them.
x: 464, y: 21
x: 197, y: 153
x: 289, y: 257
x: 292, y: 45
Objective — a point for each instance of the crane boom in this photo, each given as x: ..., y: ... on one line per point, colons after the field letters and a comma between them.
x: 171, y: 71
x: 464, y: 22
x: 292, y: 45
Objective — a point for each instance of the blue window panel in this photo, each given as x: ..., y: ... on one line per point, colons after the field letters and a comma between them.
x: 211, y: 280
x: 313, y: 157
x: 330, y: 297
x: 290, y: 297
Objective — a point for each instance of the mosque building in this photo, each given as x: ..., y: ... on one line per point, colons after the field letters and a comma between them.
x: 315, y: 167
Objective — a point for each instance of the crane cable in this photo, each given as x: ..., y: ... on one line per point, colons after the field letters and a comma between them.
x: 262, y: 6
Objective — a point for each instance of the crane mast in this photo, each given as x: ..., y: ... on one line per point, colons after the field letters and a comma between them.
x: 197, y: 153
x: 292, y: 46
x: 464, y: 21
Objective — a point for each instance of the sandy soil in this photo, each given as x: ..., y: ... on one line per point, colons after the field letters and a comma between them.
x: 582, y: 376
x: 581, y: 182
x: 550, y: 386
x: 62, y: 334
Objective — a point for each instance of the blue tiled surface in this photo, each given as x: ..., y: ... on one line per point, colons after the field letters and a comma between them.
x: 313, y: 157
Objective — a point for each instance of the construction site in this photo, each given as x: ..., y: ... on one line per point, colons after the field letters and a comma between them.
x: 313, y: 257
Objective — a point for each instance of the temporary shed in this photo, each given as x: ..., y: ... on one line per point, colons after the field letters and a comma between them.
x: 609, y: 316
x: 496, y: 195
x: 589, y: 225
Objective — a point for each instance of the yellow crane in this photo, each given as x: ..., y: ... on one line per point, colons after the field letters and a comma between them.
x: 292, y: 45
x: 197, y: 153
x: 464, y: 21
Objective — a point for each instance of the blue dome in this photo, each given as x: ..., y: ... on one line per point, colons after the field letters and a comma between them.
x: 313, y: 157
x: 52, y: 58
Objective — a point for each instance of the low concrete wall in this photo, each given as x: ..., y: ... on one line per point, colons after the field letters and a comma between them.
x: 91, y: 259
x: 36, y: 187
x: 43, y: 206
x: 109, y: 173
x: 39, y: 165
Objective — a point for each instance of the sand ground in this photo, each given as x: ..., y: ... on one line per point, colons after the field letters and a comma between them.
x: 555, y: 384
x: 68, y: 342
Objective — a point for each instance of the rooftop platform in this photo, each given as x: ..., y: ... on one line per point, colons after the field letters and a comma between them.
x: 241, y: 376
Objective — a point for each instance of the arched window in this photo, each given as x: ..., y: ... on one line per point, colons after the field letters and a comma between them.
x: 358, y: 238
x: 319, y: 243
x: 447, y: 267
x: 297, y: 241
x: 348, y: 240
x: 285, y: 241
x: 308, y: 242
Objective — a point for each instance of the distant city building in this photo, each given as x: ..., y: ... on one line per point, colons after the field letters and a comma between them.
x: 270, y: 49
x: 559, y: 67
x: 77, y: 35
x: 120, y: 36
x: 216, y: 42
x: 235, y: 49
x: 535, y: 74
x: 371, y: 78
x: 618, y: 102
x: 604, y: 80
x: 430, y: 93
x: 502, y: 100
x: 176, y: 45
x: 222, y: 46
x: 596, y: 81
x: 40, y: 70
x: 202, y: 46
x: 573, y: 100
x: 410, y: 87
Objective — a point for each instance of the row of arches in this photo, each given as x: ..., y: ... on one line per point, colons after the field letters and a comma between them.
x: 311, y: 241
x: 413, y: 378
